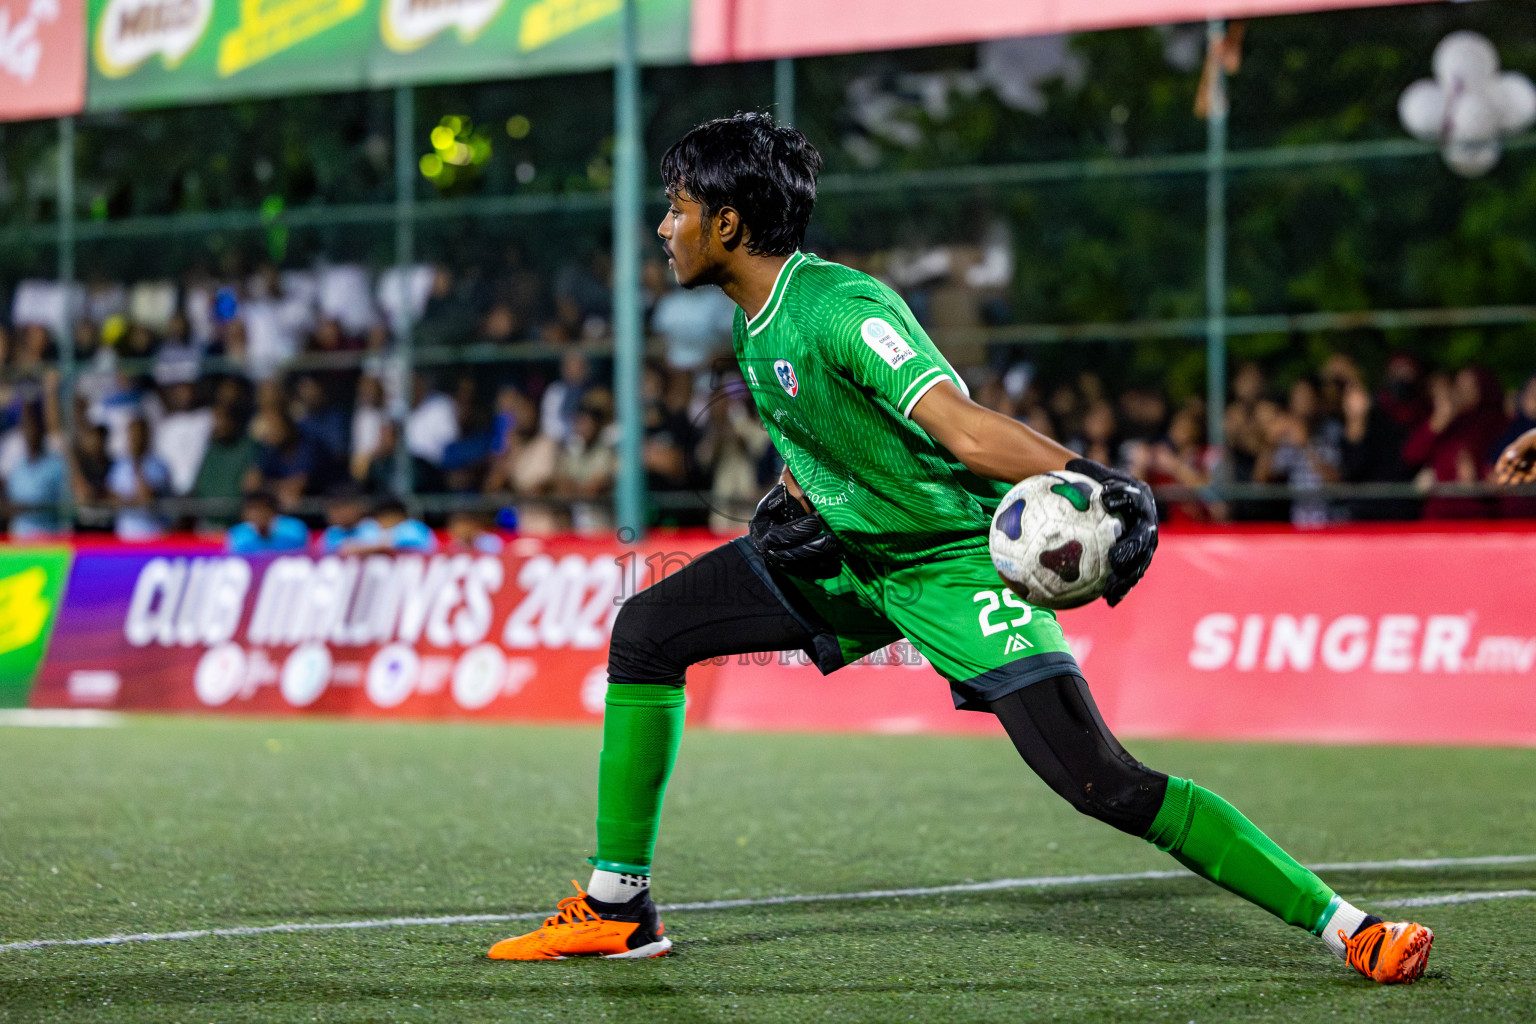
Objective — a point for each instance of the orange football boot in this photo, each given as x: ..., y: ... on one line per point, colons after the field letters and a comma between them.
x: 629, y: 931
x: 1388, y: 952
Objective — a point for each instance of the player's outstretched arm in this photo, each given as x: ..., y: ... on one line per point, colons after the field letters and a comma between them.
x: 1001, y: 448
x: 1518, y: 463
x: 990, y: 444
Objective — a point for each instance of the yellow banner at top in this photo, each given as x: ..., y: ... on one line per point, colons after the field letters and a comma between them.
x: 269, y: 27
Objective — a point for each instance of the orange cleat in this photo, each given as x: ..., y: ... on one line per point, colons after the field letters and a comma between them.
x: 581, y: 926
x: 1389, y: 953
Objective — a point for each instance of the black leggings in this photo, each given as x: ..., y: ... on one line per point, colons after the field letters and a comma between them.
x: 1058, y: 731
x: 718, y: 605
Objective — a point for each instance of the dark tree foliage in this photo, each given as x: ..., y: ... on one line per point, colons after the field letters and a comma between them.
x: 1399, y: 233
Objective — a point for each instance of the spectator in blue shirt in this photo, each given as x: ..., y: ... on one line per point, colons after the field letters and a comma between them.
x: 135, y: 481
x: 470, y: 531
x: 262, y: 528
x: 34, y: 483
x: 401, y: 532
x: 391, y: 530
x: 347, y: 526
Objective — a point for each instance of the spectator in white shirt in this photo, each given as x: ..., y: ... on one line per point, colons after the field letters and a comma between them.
x: 368, y: 418
x: 119, y: 407
x: 35, y: 479
x: 275, y: 322
x: 695, y: 323
x: 562, y: 399
x: 345, y: 294
x: 271, y: 338
x: 179, y: 356
x: 433, y: 423
x: 181, y: 437
x: 135, y: 481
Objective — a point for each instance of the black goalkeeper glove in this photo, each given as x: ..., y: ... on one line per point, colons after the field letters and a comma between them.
x: 1130, y: 501
x: 792, y: 540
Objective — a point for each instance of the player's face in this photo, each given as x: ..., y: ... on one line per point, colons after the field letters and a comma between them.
x: 685, y: 237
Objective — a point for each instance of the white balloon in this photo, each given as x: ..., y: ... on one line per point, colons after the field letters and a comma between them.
x: 1470, y: 159
x: 1472, y: 117
x: 1514, y: 97
x: 1467, y: 57
x: 1421, y: 108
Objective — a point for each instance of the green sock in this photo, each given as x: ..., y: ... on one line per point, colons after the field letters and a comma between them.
x: 1213, y: 839
x: 642, y: 729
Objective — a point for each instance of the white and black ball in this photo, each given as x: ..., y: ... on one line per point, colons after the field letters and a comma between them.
x: 1050, y: 539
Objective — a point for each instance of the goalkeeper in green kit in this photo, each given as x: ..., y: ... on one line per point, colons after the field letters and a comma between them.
x: 878, y: 531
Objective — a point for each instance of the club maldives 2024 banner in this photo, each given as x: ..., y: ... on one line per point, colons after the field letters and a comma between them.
x: 1416, y: 636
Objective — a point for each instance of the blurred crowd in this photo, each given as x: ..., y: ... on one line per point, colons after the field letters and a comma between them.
x: 288, y: 386
x: 1410, y: 426
x: 291, y: 384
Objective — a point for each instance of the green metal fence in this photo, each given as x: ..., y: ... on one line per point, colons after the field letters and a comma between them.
x: 1214, y: 167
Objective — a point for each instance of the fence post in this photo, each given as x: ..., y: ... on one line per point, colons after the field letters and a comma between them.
x: 628, y: 331
x: 784, y: 90
x: 405, y: 248
x: 66, y: 272
x: 1216, y: 239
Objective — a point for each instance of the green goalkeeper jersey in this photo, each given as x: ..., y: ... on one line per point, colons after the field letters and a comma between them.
x: 836, y: 362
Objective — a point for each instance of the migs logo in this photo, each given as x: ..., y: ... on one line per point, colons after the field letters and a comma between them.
x: 786, y: 375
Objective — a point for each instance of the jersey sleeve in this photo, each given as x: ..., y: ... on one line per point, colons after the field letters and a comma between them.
x: 875, y: 349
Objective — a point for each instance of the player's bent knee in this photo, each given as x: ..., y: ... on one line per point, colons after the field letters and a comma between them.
x: 1058, y: 731
x: 1124, y: 795
x: 635, y: 651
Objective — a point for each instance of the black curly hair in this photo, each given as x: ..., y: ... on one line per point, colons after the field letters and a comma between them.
x: 764, y: 171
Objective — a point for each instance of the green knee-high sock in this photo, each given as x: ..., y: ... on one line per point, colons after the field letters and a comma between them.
x: 1213, y: 839
x: 642, y: 729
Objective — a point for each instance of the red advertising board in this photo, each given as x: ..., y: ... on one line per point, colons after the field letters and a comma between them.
x: 727, y: 30
x: 1408, y: 637
x: 42, y: 58
x: 1396, y: 637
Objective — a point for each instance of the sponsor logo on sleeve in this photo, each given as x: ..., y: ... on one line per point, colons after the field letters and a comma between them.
x: 887, y: 343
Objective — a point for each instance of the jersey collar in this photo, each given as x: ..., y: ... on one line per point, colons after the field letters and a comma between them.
x: 756, y: 323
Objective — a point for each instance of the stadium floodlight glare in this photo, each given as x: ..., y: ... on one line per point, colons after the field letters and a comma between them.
x: 1469, y: 105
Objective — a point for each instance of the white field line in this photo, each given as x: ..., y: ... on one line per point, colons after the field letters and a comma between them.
x: 1456, y: 897
x: 1041, y: 882
x: 60, y: 718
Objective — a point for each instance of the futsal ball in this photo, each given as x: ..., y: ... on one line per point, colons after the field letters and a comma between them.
x: 1050, y: 539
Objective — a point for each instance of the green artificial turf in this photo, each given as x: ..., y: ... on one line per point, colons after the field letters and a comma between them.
x: 170, y: 824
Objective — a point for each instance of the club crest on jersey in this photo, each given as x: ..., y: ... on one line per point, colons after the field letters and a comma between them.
x: 787, y: 378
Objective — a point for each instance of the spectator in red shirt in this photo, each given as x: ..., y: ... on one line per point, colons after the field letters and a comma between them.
x: 1465, y: 420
